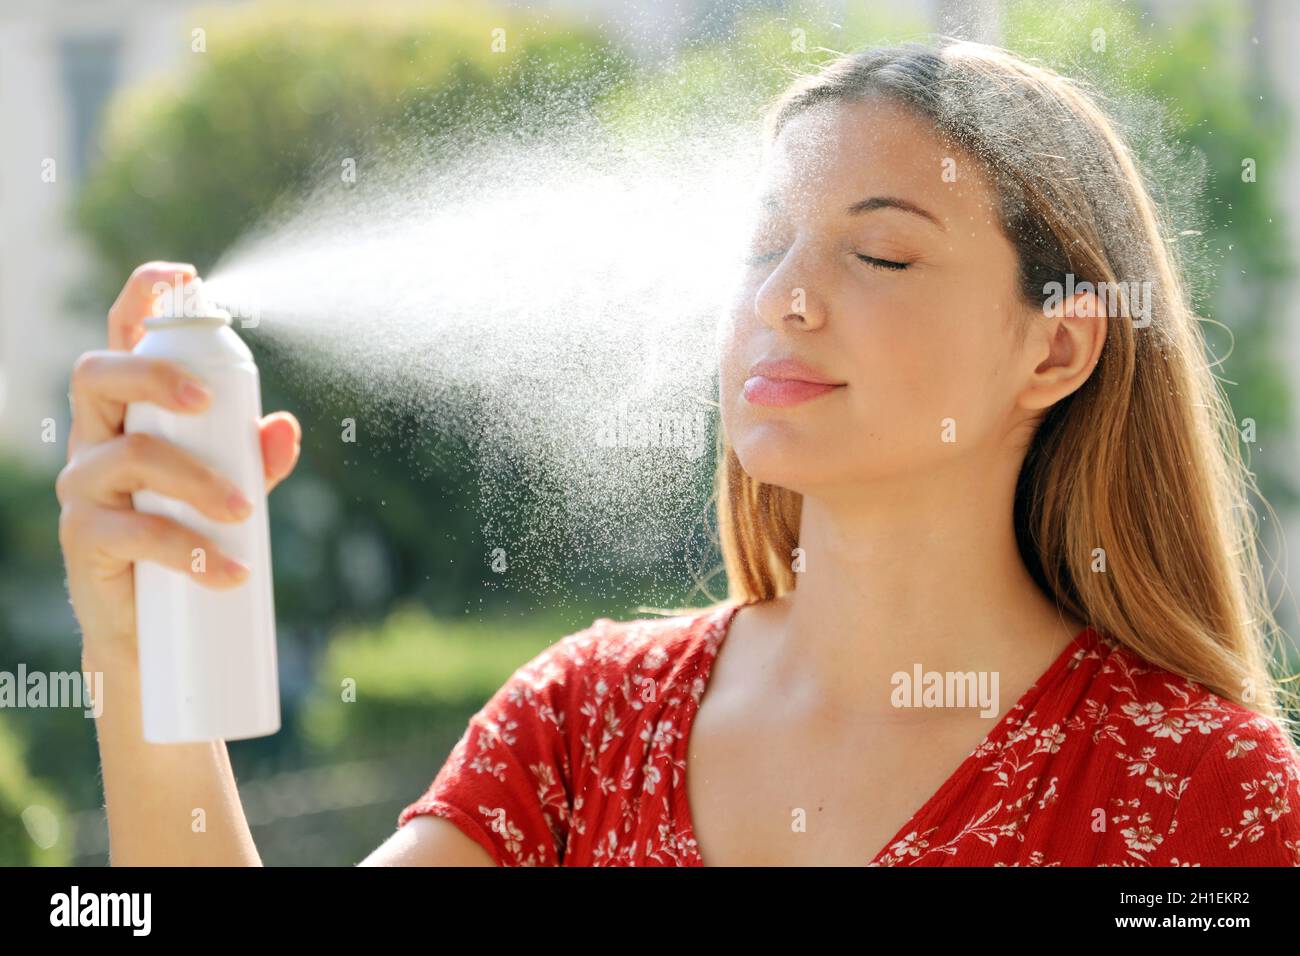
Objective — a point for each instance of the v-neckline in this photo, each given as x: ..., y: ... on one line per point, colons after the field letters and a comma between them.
x: 722, y: 620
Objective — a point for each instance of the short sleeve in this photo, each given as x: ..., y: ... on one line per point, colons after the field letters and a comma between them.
x: 1241, y: 803
x: 506, y: 782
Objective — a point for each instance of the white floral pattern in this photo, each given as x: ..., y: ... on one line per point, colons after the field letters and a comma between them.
x: 579, y: 760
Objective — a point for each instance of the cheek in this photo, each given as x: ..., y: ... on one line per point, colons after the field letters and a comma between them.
x: 895, y: 357
x: 928, y: 362
x: 914, y: 359
x: 741, y: 338
x: 732, y: 333
x: 735, y: 355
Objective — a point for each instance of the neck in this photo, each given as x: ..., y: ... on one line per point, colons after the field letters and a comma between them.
x: 923, y: 570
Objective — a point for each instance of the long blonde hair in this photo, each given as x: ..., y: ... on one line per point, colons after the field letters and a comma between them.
x: 1142, y: 461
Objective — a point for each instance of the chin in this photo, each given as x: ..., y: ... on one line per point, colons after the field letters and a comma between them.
x: 782, y: 454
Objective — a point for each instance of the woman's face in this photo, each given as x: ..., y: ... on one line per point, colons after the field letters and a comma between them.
x: 879, y: 265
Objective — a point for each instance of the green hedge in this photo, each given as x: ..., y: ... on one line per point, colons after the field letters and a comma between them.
x: 418, y: 677
x: 21, y: 795
x: 285, y: 92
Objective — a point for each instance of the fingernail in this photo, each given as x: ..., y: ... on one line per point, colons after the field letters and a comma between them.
x: 235, y: 569
x: 191, y: 392
x: 239, y: 505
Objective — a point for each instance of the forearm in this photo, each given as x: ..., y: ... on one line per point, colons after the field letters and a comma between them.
x: 168, y: 804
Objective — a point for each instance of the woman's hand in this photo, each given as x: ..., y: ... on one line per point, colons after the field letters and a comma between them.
x: 150, y: 791
x: 99, y: 531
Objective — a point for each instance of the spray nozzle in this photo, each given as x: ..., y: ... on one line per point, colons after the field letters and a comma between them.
x: 191, y: 305
x: 200, y: 304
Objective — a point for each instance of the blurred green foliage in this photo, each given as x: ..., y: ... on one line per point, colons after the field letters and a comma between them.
x: 21, y: 796
x: 47, y: 755
x: 1201, y: 87
x: 286, y: 91
x: 284, y: 94
x: 381, y: 687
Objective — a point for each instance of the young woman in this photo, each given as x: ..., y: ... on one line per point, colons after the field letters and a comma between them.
x: 936, y: 478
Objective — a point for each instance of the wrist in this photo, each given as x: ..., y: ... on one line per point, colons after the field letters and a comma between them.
x: 111, y: 656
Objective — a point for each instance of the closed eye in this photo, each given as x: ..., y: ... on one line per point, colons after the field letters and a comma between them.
x: 883, y: 263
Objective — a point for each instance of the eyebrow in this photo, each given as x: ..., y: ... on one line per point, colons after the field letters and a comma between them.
x: 871, y: 204
x: 889, y: 202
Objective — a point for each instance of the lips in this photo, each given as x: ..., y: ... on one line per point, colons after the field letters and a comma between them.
x: 784, y: 382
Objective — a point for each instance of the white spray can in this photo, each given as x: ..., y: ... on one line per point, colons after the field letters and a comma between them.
x: 207, y: 655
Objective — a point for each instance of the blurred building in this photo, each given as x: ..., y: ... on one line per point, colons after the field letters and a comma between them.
x: 60, y: 62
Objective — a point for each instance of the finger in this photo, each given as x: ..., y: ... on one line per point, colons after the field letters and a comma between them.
x: 135, y: 536
x: 104, y: 382
x: 109, y: 472
x: 135, y: 302
x: 281, y: 444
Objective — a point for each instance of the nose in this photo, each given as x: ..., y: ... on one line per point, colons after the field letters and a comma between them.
x: 790, y: 299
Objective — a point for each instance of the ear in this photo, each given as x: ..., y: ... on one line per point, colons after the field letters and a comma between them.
x: 1062, y: 349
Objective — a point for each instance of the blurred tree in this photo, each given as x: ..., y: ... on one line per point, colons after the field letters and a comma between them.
x: 282, y: 95
x: 1195, y: 105
x: 31, y: 817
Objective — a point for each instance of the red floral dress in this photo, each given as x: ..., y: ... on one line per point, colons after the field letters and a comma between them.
x: 579, y: 760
